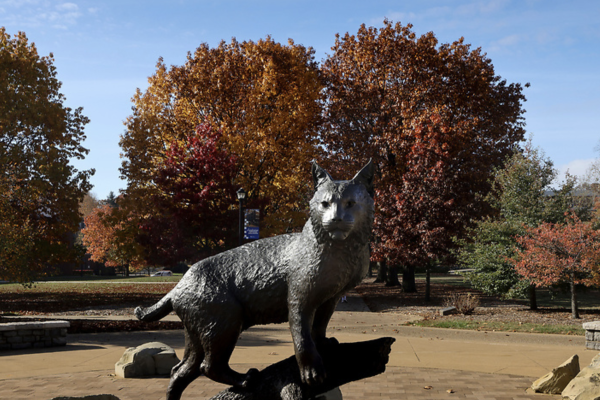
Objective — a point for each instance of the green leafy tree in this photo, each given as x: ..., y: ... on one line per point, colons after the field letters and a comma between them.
x: 523, y: 197
x: 39, y: 188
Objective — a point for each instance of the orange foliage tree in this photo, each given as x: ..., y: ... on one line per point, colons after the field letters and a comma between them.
x: 265, y: 99
x: 554, y: 254
x: 108, y: 241
x: 435, y: 118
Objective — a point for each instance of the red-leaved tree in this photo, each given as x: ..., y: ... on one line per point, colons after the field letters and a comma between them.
x: 437, y: 121
x: 194, y: 192
x: 416, y: 212
x: 554, y: 254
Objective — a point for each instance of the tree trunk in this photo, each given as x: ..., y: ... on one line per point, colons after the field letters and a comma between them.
x: 532, y: 298
x: 409, y: 284
x: 428, y: 284
x: 346, y: 362
x: 392, y: 276
x: 574, y: 307
x: 381, y: 272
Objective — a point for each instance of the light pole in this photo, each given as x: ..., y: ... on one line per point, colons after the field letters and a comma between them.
x: 241, y: 195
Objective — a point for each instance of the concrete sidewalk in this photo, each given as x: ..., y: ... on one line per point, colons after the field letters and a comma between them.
x: 474, y: 365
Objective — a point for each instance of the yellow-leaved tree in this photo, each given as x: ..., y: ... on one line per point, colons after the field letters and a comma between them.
x: 265, y: 98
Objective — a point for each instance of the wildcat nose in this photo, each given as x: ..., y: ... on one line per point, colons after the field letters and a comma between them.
x: 336, y: 214
x: 336, y: 218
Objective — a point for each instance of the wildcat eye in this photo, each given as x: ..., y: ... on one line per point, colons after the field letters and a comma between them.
x: 350, y: 204
x: 325, y: 204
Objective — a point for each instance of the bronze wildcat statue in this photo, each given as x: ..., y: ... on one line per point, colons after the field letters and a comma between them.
x: 298, y: 277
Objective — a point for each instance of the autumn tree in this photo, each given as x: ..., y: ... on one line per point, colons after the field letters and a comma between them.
x: 19, y: 234
x: 265, y: 99
x: 560, y: 253
x: 108, y: 241
x: 40, y: 188
x: 194, y: 193
x: 435, y: 118
x: 89, y: 203
x: 523, y: 196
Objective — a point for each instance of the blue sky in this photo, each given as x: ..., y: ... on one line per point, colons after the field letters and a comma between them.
x: 104, y: 50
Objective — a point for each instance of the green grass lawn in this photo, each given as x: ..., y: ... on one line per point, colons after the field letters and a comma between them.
x: 446, y: 279
x: 501, y: 327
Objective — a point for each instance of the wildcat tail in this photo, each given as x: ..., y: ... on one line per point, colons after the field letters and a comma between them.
x: 155, y: 312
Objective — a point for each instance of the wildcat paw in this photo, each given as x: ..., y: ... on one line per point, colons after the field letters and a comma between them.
x: 313, y: 374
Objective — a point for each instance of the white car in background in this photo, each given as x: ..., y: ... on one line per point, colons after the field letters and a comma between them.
x: 163, y: 273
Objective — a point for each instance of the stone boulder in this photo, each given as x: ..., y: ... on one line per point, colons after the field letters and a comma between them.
x: 586, y: 385
x: 149, y: 359
x: 592, y: 335
x: 556, y: 380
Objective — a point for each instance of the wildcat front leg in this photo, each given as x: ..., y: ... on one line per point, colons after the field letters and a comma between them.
x: 321, y: 320
x: 310, y: 363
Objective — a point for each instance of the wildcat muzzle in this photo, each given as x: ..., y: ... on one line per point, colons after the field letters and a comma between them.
x: 338, y: 230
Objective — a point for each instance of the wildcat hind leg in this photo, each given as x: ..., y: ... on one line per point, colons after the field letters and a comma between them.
x: 188, y: 369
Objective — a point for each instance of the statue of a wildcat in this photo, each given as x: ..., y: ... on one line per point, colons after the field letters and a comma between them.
x: 298, y: 277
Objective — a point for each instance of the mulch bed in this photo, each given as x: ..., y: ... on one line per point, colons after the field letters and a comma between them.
x: 380, y: 298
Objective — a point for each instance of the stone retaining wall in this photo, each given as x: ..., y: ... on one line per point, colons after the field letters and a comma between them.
x: 592, y: 335
x: 24, y: 335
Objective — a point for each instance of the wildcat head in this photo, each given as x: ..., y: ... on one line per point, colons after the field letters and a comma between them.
x: 342, y: 210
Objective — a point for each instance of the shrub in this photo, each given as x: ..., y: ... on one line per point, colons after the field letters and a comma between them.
x: 465, y: 303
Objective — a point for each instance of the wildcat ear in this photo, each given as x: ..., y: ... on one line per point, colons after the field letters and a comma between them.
x: 319, y: 175
x: 365, y: 177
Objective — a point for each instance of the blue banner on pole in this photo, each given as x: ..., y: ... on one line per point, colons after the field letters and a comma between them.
x: 251, y: 224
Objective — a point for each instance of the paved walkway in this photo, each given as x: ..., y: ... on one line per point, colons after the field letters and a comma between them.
x: 469, y: 364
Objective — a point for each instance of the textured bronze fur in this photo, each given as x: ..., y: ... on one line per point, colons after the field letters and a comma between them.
x: 298, y: 278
